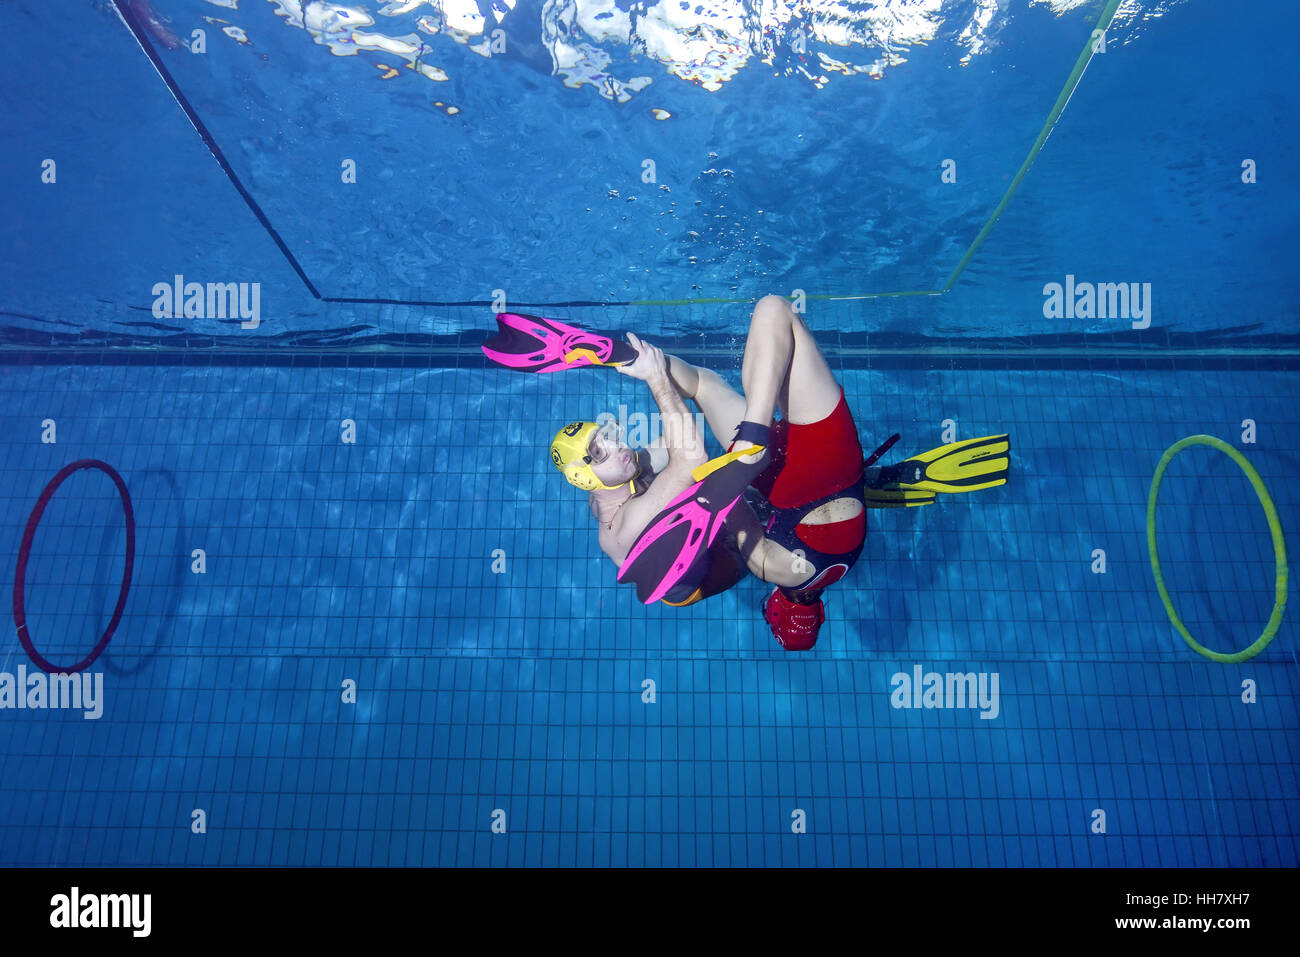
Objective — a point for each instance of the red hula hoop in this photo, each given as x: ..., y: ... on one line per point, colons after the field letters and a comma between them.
x: 24, y: 550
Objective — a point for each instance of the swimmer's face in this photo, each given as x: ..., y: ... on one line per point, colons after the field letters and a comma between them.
x: 613, y: 462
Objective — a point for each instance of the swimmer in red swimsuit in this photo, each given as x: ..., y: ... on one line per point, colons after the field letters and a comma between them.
x: 682, y: 527
x: 817, y: 524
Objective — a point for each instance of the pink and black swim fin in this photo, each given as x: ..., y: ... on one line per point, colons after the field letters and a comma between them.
x: 674, y: 547
x: 534, y: 344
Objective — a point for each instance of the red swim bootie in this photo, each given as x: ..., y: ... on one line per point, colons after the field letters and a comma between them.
x: 794, y: 625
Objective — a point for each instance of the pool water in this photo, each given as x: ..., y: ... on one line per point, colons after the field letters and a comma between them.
x: 368, y: 623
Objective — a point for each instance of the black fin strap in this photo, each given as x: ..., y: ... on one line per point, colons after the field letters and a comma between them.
x: 875, y: 456
x: 753, y: 432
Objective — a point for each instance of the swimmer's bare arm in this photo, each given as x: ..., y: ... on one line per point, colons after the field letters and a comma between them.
x: 681, y: 438
x: 678, y: 432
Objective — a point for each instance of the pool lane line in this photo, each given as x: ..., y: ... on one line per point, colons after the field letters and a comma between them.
x: 1274, y: 527
x: 470, y: 355
x: 127, y: 16
x: 824, y: 297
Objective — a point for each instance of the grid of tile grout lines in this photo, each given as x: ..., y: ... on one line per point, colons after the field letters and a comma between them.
x: 523, y: 691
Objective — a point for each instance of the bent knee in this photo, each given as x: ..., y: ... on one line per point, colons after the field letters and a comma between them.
x: 773, y: 313
x: 774, y: 304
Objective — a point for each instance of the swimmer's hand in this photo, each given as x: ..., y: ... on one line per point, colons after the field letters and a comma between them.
x: 650, y: 365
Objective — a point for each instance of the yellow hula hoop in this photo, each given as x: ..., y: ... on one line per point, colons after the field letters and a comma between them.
x: 1274, y: 525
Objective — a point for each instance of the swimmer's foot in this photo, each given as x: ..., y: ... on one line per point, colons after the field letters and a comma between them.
x: 740, y: 445
x: 751, y: 435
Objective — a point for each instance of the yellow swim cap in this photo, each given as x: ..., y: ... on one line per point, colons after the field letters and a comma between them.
x: 571, y: 454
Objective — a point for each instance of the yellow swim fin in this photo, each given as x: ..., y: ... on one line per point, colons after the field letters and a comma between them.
x: 965, y: 466
x: 896, y: 497
x: 700, y: 472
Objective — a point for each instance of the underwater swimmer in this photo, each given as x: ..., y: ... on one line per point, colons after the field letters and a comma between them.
x: 812, y: 490
x: 628, y: 487
x: 808, y: 468
x: 809, y: 480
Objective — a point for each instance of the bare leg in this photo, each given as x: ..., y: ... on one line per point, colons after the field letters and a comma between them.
x: 684, y: 375
x: 723, y: 406
x: 784, y: 366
